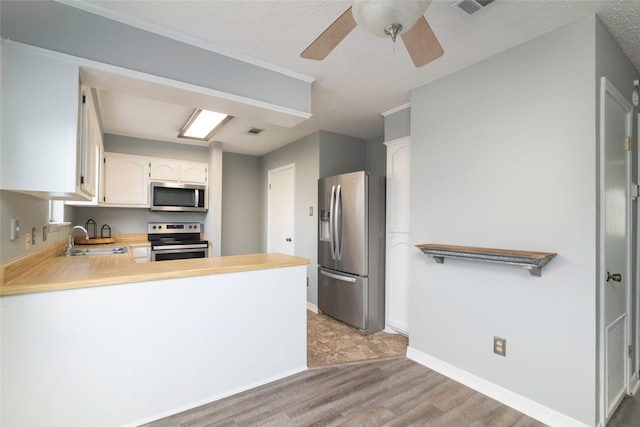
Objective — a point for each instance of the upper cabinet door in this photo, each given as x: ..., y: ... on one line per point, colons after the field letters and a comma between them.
x: 40, y: 123
x: 177, y: 170
x: 126, y: 180
x: 90, y: 145
x: 194, y: 172
x: 164, y: 170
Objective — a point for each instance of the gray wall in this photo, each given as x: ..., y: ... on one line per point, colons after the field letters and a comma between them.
x: 32, y: 212
x: 376, y: 160
x: 148, y: 147
x: 397, y: 125
x: 504, y: 154
x: 613, y: 63
x: 241, y: 204
x: 305, y: 154
x: 59, y: 27
x: 341, y: 154
x: 315, y: 156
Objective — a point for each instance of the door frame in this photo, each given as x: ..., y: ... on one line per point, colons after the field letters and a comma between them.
x: 635, y: 388
x: 270, y: 172
x: 607, y: 87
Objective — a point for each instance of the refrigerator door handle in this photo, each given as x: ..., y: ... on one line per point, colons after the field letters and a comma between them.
x: 338, y: 277
x: 338, y: 223
x: 332, y: 240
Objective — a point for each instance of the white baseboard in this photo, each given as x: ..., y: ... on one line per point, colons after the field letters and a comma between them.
x: 312, y: 307
x: 391, y: 330
x: 635, y: 387
x: 519, y: 403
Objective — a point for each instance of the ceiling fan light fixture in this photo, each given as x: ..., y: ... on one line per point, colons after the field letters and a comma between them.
x: 382, y: 17
x: 202, y: 124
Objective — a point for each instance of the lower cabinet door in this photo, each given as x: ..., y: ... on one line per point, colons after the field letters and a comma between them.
x: 397, y: 281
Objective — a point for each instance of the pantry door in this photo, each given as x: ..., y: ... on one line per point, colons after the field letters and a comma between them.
x: 281, y: 211
x: 615, y: 245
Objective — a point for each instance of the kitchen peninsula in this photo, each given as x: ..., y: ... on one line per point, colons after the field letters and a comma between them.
x: 120, y: 343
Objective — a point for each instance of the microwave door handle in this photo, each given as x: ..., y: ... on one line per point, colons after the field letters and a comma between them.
x: 197, y: 197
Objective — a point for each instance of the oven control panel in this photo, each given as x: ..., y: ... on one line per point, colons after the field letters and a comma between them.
x: 174, y: 227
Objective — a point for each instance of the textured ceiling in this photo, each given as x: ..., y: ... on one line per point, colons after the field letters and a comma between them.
x: 365, y: 75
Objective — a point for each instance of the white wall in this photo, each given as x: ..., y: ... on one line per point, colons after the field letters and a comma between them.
x: 504, y: 155
x: 87, y: 357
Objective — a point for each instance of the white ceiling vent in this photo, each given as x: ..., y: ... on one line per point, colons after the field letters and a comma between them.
x: 470, y: 7
x: 254, y: 131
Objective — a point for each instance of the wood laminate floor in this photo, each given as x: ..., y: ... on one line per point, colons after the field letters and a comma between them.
x: 357, y: 380
x: 628, y: 413
x: 395, y: 392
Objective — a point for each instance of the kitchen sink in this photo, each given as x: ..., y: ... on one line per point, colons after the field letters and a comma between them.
x: 97, y: 251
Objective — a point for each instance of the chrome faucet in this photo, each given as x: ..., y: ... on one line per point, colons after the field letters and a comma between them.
x: 70, y: 244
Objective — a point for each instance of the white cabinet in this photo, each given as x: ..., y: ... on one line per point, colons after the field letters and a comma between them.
x: 193, y: 172
x: 164, y: 170
x: 141, y: 253
x: 398, y: 250
x: 127, y: 177
x: 90, y: 157
x: 42, y: 147
x: 177, y: 170
x: 126, y: 180
x: 397, y: 281
x: 91, y: 145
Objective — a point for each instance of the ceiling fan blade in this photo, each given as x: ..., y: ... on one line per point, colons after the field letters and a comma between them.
x: 330, y: 38
x: 422, y: 44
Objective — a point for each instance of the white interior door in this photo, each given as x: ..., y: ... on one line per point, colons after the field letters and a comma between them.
x: 281, y: 212
x: 615, y: 123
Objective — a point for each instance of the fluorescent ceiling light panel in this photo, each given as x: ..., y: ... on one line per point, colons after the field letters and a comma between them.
x: 202, y: 124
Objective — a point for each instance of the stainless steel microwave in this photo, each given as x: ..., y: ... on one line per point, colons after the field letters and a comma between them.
x: 176, y: 197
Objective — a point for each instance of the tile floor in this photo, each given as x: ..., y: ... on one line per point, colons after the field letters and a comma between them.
x: 330, y: 342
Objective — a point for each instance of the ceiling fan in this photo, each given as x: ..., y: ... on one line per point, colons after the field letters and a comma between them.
x: 384, y: 18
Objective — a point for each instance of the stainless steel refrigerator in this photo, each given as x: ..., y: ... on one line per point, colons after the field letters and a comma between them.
x: 351, y: 249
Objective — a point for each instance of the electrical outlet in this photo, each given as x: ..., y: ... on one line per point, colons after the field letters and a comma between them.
x: 500, y: 346
x: 27, y: 241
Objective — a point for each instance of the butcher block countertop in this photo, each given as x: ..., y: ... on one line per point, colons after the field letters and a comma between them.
x: 49, y: 272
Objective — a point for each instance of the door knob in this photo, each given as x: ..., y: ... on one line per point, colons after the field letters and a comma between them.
x: 288, y: 239
x: 616, y: 277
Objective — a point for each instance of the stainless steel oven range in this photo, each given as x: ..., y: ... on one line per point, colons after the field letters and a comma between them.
x: 176, y: 240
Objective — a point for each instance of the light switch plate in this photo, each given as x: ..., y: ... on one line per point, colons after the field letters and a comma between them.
x: 14, y: 231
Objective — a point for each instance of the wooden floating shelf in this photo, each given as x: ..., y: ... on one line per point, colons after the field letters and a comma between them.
x: 532, y: 261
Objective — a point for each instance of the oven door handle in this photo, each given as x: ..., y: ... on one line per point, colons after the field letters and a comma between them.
x: 179, y: 247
